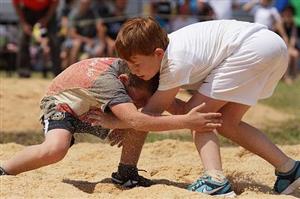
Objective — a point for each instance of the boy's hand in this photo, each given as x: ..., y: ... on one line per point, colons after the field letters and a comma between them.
x: 116, y: 136
x: 98, y: 118
x: 203, y: 122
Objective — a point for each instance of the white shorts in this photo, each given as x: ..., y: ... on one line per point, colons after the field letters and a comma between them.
x: 251, y: 72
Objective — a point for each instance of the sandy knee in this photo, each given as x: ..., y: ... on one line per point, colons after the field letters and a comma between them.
x: 54, y: 151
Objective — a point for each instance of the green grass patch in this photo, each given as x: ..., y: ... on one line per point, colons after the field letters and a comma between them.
x: 286, y: 98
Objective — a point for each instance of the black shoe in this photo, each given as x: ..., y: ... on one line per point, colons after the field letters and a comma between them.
x: 286, y: 183
x: 2, y: 172
x: 128, y: 177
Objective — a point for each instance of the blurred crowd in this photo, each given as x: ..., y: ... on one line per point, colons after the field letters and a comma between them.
x: 50, y: 35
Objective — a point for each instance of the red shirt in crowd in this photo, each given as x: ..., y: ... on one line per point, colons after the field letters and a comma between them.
x: 36, y: 5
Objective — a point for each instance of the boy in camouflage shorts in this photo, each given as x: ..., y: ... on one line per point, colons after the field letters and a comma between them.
x: 104, y: 86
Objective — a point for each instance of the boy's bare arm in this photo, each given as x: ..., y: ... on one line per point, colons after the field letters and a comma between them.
x: 195, y: 120
x: 165, y: 100
x: 129, y: 117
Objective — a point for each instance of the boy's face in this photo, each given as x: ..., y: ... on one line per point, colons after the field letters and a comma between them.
x: 139, y: 96
x: 146, y: 66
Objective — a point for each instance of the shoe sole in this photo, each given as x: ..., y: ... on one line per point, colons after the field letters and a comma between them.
x: 292, y: 187
x: 227, y: 195
x: 116, y: 181
x: 127, y: 184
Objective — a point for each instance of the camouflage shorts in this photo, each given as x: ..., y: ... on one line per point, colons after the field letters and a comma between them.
x: 65, y: 120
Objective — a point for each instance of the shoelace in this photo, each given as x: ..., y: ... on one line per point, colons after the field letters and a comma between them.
x: 198, y: 183
x: 137, y: 174
x: 142, y: 170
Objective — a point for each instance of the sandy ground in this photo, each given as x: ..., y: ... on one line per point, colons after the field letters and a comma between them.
x: 85, y: 171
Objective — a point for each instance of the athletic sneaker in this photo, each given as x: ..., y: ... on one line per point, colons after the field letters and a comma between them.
x: 2, y: 172
x: 207, y: 185
x: 286, y: 183
x: 128, y: 177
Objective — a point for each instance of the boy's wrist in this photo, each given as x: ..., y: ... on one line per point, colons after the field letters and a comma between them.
x: 183, y: 122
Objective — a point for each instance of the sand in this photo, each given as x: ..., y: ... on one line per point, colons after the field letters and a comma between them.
x: 85, y: 171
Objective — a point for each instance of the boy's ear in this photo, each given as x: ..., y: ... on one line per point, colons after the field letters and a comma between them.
x: 124, y: 79
x: 159, y: 52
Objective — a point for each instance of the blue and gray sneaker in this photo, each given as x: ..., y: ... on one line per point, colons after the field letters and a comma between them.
x: 286, y: 183
x: 207, y: 185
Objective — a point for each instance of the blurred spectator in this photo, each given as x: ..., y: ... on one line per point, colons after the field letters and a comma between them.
x: 184, y: 16
x: 281, y: 4
x: 223, y: 9
x: 40, y: 50
x: 86, y: 33
x: 31, y: 12
x: 112, y: 22
x: 291, y: 30
x: 64, y: 32
x: 296, y: 6
x: 161, y: 10
x: 205, y: 11
x: 266, y: 14
x: 8, y: 47
x: 64, y: 18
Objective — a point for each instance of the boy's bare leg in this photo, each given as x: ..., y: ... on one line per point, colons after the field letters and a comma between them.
x: 233, y: 128
x: 207, y: 144
x: 249, y: 137
x: 132, y: 147
x: 208, y: 148
x: 52, y: 150
x: 127, y: 174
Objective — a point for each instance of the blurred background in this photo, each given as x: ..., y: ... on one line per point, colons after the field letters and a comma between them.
x: 49, y: 35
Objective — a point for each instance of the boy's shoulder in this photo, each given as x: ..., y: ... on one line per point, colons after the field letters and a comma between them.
x: 85, y: 73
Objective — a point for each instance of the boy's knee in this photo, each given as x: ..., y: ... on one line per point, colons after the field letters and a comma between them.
x: 228, y: 128
x: 54, y: 151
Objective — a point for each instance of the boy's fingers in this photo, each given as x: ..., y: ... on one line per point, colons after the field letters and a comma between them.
x: 95, y: 124
x: 94, y: 117
x: 112, y: 143
x: 212, y: 115
x: 215, y: 121
x: 110, y: 136
x: 213, y: 125
x: 199, y: 107
x: 120, y: 144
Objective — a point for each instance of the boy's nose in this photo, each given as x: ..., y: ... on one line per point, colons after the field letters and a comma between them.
x: 135, y: 72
